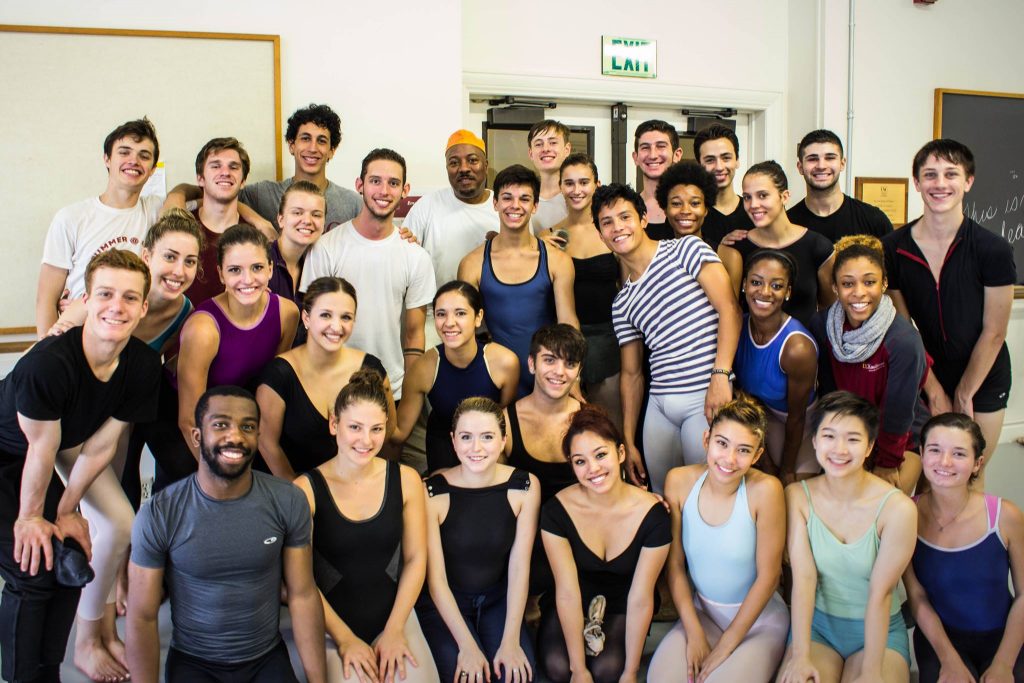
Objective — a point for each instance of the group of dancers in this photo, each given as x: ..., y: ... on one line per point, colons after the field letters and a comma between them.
x: 691, y: 398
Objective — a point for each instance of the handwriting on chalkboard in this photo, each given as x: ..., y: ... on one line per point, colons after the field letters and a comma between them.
x: 1009, y: 216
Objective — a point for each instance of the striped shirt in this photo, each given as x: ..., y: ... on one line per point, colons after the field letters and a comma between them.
x: 668, y: 309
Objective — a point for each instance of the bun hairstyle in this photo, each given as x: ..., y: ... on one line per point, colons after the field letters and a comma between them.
x: 242, y: 233
x: 858, y: 246
x: 327, y: 285
x: 364, y: 385
x: 479, y: 404
x: 746, y: 412
x: 773, y: 170
x: 470, y: 293
x: 174, y: 219
x: 590, y: 418
x: 787, y: 262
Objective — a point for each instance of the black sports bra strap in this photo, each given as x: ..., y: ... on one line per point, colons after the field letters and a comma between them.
x: 321, y: 492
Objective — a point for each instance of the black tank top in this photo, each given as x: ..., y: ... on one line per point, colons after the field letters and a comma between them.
x: 595, y: 287
x: 478, y: 532
x: 553, y: 476
x: 357, y: 563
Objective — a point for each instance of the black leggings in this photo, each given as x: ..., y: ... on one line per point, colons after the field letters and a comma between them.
x: 553, y: 656
x: 273, y: 667
x: 976, y: 649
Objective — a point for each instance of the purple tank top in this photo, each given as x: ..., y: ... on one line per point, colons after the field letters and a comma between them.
x: 243, y: 353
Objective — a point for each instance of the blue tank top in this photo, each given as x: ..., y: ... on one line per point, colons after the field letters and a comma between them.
x: 759, y: 368
x: 726, y: 573
x: 451, y: 386
x: 513, y: 312
x: 968, y: 586
x: 157, y: 343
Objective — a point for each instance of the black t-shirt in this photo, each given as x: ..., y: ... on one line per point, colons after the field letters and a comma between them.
x: 853, y: 217
x: 53, y: 381
x: 717, y: 224
x: 949, y: 314
x: 810, y: 252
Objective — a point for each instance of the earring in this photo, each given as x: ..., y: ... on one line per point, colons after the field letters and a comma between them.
x: 787, y: 298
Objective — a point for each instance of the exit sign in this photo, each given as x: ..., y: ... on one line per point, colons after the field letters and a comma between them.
x: 634, y: 57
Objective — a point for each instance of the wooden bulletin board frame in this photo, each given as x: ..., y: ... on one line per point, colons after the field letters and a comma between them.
x: 275, y: 40
x: 1018, y: 290
x: 886, y: 184
x: 68, y: 87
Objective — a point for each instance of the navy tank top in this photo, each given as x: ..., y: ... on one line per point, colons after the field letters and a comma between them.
x: 513, y: 312
x: 357, y: 563
x: 451, y: 385
x: 968, y: 586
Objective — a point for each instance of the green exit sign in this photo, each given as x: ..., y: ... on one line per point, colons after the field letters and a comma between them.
x: 634, y: 57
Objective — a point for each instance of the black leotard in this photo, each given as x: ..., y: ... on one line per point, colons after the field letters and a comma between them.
x: 357, y: 563
x: 610, y: 578
x: 306, y: 438
x: 478, y: 532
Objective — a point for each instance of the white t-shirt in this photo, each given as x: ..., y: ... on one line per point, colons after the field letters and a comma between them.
x: 390, y: 275
x: 449, y: 228
x: 83, y: 229
x: 549, y: 212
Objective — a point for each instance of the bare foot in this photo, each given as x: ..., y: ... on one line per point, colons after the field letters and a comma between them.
x: 116, y: 649
x: 96, y: 662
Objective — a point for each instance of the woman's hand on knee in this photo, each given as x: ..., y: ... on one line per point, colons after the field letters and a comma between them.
x: 359, y: 659
x: 392, y: 651
x: 472, y: 666
x: 798, y: 670
x: 511, y: 664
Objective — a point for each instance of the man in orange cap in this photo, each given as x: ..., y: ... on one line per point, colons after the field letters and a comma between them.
x: 452, y: 222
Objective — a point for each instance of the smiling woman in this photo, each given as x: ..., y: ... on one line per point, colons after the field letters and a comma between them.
x: 605, y: 568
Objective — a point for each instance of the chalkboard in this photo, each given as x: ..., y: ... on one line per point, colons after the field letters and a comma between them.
x: 990, y: 124
x: 66, y: 88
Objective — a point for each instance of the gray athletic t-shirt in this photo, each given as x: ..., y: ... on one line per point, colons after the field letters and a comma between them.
x: 264, y: 198
x: 222, y: 563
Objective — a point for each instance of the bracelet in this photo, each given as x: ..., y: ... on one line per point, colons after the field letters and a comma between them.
x: 721, y: 371
x: 415, y: 352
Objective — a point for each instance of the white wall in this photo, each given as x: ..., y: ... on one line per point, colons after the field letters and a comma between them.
x: 902, y: 53
x: 392, y: 73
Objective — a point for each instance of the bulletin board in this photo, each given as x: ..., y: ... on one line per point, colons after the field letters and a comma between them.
x: 65, y: 89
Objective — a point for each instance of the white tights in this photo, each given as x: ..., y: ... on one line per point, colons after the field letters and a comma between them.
x: 110, y: 517
x: 753, y: 661
x: 674, y: 427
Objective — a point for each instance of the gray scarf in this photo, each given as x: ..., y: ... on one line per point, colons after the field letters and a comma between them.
x: 856, y: 346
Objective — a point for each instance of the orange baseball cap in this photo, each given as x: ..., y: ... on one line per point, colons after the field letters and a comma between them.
x: 465, y: 137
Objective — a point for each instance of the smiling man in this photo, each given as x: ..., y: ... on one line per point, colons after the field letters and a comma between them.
x: 718, y: 150
x: 221, y: 541
x: 393, y: 278
x: 677, y: 302
x: 66, y: 404
x: 452, y: 222
x: 655, y: 148
x: 524, y: 284
x: 547, y: 146
x: 118, y: 218
x: 222, y: 166
x: 826, y: 209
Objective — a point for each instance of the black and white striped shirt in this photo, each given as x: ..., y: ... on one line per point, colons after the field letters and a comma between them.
x: 669, y: 310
